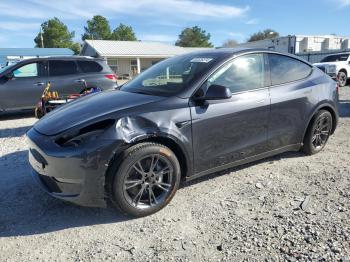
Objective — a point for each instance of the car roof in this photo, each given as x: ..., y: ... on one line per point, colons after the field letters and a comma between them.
x: 69, y: 58
x: 341, y: 53
x: 244, y: 50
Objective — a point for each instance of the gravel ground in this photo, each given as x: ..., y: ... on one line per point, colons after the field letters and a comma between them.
x: 290, y: 207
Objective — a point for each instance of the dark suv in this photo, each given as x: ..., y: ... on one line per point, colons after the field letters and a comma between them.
x: 22, y: 84
x: 184, y: 117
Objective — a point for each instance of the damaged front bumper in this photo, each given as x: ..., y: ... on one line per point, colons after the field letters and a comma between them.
x: 72, y: 174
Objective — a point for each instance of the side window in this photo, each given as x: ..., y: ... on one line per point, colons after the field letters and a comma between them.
x: 285, y: 69
x: 60, y: 68
x: 29, y: 70
x: 90, y: 66
x: 244, y: 73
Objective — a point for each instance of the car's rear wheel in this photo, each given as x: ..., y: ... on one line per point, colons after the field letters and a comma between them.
x: 318, y: 132
x: 146, y: 180
x: 342, y: 78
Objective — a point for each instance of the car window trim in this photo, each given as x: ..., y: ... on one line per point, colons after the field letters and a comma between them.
x: 200, y: 85
x: 289, y: 82
x: 49, y: 72
x: 25, y: 64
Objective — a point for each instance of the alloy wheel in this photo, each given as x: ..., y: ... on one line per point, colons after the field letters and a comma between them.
x: 149, y: 181
x: 321, y: 132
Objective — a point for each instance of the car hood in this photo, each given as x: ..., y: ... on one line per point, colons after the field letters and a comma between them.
x: 88, y: 108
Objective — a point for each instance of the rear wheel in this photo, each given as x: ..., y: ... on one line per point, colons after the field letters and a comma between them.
x: 342, y: 78
x: 146, y: 180
x: 318, y: 132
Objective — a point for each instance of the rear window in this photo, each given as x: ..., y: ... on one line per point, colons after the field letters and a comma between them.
x: 286, y: 69
x: 90, y: 66
x: 60, y: 68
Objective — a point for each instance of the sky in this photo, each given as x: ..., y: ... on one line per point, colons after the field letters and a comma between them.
x: 163, y: 20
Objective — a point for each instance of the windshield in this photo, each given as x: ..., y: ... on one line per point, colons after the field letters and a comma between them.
x: 170, y: 76
x: 336, y: 58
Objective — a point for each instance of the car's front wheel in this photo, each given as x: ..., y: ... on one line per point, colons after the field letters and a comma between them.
x: 146, y: 179
x: 342, y: 79
x: 318, y: 132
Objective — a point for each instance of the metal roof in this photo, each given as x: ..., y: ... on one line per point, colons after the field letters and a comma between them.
x: 112, y: 48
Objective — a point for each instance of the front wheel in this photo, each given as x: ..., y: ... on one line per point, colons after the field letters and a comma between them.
x: 342, y: 78
x: 146, y: 180
x: 318, y: 132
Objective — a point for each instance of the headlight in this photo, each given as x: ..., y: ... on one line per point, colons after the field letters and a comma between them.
x: 86, y: 134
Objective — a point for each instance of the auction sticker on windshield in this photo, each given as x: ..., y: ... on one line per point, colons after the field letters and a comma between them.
x: 201, y: 60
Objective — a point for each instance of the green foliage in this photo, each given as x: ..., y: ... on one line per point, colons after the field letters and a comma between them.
x: 194, y: 37
x: 261, y: 35
x: 97, y: 28
x: 123, y: 33
x: 56, y: 35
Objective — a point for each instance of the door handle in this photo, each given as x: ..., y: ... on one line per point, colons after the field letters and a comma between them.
x: 80, y: 81
x: 260, y: 101
x: 39, y: 84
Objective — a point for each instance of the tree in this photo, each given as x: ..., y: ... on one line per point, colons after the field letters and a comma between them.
x: 97, y: 28
x: 55, y: 34
x: 194, y: 37
x: 261, y: 35
x: 123, y: 33
x: 230, y: 43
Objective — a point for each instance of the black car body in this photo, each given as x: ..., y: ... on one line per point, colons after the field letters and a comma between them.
x: 22, y: 84
x: 222, y: 108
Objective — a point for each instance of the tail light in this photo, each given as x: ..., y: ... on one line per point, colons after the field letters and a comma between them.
x: 337, y: 87
x: 112, y: 77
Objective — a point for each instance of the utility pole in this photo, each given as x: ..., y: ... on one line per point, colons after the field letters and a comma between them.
x: 41, y: 38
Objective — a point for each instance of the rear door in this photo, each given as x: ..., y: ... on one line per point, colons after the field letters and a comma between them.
x: 225, y: 131
x: 25, y: 88
x: 97, y: 74
x: 292, y: 99
x: 65, y: 77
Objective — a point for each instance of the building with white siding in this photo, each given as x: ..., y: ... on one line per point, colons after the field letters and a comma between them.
x: 129, y: 58
x: 310, y: 47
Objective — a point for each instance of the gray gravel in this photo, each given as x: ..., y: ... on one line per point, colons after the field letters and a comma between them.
x: 290, y: 207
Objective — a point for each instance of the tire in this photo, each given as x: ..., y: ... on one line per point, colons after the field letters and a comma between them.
x: 318, y: 132
x: 342, y: 78
x: 38, y: 112
x: 138, y: 189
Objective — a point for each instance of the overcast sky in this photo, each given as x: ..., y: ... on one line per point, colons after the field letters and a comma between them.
x: 163, y: 20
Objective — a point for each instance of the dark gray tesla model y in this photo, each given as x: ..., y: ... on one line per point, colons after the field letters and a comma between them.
x: 185, y: 117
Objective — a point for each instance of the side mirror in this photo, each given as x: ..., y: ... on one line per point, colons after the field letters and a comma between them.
x: 217, y: 92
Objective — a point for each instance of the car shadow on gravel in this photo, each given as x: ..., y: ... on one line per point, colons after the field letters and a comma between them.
x: 344, y: 108
x: 26, y: 210
x: 14, y: 132
x: 12, y: 115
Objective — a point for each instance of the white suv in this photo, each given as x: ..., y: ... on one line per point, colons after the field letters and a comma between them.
x: 336, y: 65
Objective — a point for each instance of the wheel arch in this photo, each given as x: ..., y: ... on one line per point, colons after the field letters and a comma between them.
x: 174, y: 145
x: 324, y: 106
x: 345, y: 71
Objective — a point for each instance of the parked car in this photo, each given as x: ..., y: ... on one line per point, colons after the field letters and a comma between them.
x: 22, y: 84
x: 183, y: 118
x: 337, y: 66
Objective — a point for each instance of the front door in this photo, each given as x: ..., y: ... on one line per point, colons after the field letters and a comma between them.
x: 225, y: 131
x: 24, y: 90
